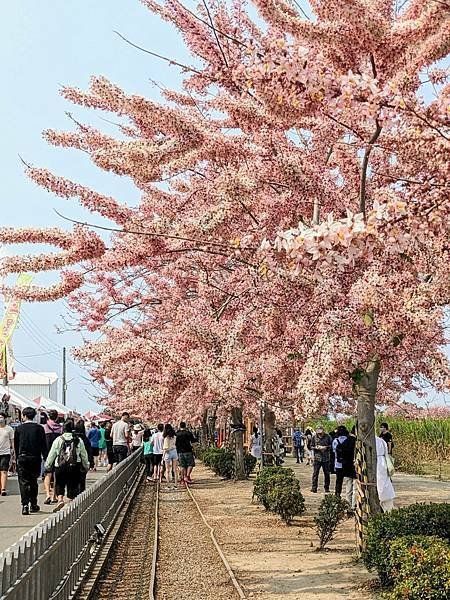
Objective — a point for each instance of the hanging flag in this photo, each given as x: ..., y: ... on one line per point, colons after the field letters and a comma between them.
x: 9, y: 323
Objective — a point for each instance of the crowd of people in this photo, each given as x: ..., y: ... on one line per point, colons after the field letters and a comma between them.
x: 62, y: 452
x: 334, y: 452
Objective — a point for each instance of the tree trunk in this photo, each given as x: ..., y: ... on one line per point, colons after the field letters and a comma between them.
x: 269, y: 427
x: 366, y: 387
x: 204, y: 429
x: 211, y: 424
x: 238, y: 435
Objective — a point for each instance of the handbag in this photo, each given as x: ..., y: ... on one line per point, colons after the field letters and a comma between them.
x: 390, y: 465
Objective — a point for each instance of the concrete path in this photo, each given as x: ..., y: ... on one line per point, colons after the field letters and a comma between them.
x: 408, y: 488
x: 12, y: 524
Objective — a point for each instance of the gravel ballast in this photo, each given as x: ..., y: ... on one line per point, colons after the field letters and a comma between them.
x: 189, y: 566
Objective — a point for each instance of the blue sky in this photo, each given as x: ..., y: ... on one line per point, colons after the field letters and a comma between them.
x: 45, y: 44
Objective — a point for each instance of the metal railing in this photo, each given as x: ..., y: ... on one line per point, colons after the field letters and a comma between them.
x: 49, y: 561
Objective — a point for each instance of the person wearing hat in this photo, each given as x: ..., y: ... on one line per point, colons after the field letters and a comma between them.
x: 137, y: 435
x: 321, y: 446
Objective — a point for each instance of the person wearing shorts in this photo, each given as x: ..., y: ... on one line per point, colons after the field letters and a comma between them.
x: 158, y: 443
x: 6, y: 450
x: 184, y: 441
x: 170, y: 455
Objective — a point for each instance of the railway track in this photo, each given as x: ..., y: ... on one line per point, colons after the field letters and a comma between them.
x: 162, y: 548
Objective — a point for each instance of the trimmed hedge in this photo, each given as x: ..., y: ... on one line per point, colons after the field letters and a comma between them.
x: 420, y: 568
x: 221, y: 461
x: 416, y: 519
x: 278, y: 490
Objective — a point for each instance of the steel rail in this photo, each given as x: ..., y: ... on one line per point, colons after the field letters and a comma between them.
x: 88, y: 585
x: 88, y: 591
x: 152, y: 589
x: 227, y: 565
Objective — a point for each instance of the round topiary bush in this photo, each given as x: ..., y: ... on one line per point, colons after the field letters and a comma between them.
x: 285, y: 498
x: 262, y: 483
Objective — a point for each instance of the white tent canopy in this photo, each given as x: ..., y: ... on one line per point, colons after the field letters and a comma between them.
x: 16, y: 399
x: 48, y: 404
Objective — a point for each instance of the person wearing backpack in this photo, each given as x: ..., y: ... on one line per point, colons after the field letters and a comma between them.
x: 52, y: 430
x: 68, y: 455
x: 299, y: 444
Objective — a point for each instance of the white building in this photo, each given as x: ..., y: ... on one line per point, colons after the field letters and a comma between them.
x: 33, y: 385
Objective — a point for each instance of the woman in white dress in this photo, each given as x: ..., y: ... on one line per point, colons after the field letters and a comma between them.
x: 255, y: 444
x: 385, y: 488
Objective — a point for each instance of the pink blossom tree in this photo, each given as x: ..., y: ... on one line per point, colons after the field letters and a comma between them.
x: 290, y: 243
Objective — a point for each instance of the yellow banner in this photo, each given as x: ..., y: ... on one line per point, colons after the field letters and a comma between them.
x: 12, y: 310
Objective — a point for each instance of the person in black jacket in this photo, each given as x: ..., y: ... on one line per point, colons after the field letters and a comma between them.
x: 80, y: 431
x: 30, y: 447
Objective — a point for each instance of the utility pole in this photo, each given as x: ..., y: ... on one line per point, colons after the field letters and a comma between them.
x: 64, y: 378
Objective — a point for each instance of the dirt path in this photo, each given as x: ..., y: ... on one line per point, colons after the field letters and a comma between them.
x: 276, y: 562
x: 189, y: 567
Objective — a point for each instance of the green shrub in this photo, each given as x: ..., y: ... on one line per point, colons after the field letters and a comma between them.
x: 278, y: 490
x: 221, y: 461
x: 263, y: 482
x: 332, y: 511
x: 420, y: 568
x: 416, y: 519
x: 284, y: 497
x: 249, y: 463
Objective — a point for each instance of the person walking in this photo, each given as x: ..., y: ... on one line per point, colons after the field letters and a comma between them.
x: 148, y: 454
x: 52, y: 430
x: 255, y: 444
x: 170, y: 454
x: 183, y: 444
x: 320, y: 445
x: 6, y: 451
x: 348, y: 467
x: 299, y: 445
x: 338, y: 446
x: 68, y: 455
x: 30, y: 447
x: 80, y: 432
x: 158, y: 450
x: 385, y: 489
x: 386, y: 435
x: 94, y: 437
x: 109, y: 446
x: 137, y: 437
x: 103, y: 459
x: 120, y: 434
x: 308, y: 441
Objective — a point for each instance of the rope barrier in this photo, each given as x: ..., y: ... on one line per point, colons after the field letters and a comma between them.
x: 155, y: 546
x: 362, y: 503
x: 234, y: 581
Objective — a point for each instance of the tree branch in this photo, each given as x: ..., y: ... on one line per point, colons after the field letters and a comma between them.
x: 365, y: 164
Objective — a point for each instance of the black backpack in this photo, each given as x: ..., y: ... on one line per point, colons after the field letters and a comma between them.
x: 343, y: 451
x: 67, y: 456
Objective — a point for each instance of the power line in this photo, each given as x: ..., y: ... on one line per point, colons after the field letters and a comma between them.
x: 45, y: 339
x: 27, y: 367
x: 36, y: 355
x: 32, y: 335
